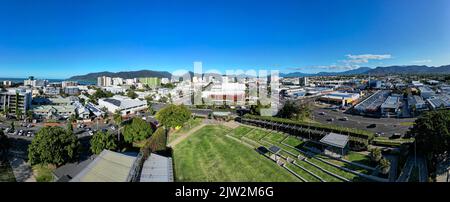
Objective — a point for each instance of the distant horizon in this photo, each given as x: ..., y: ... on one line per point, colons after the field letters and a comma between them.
x: 58, y: 39
x: 191, y: 70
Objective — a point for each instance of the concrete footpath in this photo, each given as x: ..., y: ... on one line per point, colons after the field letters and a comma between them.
x: 22, y: 171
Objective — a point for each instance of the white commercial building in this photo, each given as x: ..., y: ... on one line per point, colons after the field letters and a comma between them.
x: 117, y: 81
x: 230, y: 93
x: 130, y: 81
x: 426, y: 92
x: 68, y: 83
x: 35, y: 83
x: 123, y: 104
x: 7, y: 83
x: 165, y: 80
x: 115, y: 89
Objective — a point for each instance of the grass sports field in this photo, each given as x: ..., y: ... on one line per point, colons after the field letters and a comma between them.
x: 208, y: 155
x: 218, y: 153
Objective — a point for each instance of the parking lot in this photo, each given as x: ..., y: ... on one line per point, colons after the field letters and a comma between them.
x: 386, y: 126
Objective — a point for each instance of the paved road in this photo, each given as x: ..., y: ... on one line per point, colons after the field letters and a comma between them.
x: 407, y: 169
x: 423, y: 170
x: 393, y: 170
x: 386, y: 125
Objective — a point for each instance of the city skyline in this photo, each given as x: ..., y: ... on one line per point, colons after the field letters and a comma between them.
x: 74, y: 38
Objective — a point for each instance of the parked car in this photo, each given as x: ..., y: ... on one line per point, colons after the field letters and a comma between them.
x: 344, y: 118
x: 378, y: 134
x: 91, y: 133
x: 330, y: 119
x: 322, y: 113
x: 372, y: 125
x: 396, y: 135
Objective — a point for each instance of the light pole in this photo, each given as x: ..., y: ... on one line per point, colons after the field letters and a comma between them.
x: 415, y: 152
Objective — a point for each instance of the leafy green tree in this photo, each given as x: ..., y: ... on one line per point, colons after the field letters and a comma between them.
x: 432, y: 134
x: 384, y: 166
x: 103, y: 140
x: 168, y: 85
x: 288, y: 111
x: 53, y: 145
x: 163, y: 99
x: 149, y: 98
x: 138, y: 130
x: 29, y: 115
x: 117, y: 117
x: 131, y: 94
x: 158, y: 141
x: 169, y: 97
x: 296, y: 112
x: 375, y: 155
x: 150, y: 108
x: 4, y: 146
x: 69, y: 126
x: 19, y: 113
x: 172, y: 115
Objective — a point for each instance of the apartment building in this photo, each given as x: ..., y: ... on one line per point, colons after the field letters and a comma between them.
x: 104, y: 81
x: 15, y: 99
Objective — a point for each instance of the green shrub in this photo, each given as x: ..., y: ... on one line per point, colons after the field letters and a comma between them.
x: 156, y: 143
x: 356, y: 133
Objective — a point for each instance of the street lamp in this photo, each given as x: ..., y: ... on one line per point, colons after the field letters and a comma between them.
x: 415, y: 152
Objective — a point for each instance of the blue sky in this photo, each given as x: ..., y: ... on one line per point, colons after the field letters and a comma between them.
x: 58, y: 39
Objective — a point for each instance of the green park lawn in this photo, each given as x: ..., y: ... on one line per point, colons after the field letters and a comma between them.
x: 209, y: 156
x: 6, y: 173
x: 43, y: 173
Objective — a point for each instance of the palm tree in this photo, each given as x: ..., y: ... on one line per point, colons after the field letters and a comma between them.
x: 384, y: 166
x: 29, y: 115
x: 118, y: 118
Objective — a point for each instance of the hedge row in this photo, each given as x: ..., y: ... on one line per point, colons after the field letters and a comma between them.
x: 357, y: 133
x: 156, y: 143
x: 390, y: 143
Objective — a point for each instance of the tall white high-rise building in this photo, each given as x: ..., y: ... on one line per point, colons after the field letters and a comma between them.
x: 104, y: 81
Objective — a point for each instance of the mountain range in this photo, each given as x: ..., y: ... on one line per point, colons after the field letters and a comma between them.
x: 123, y: 74
x: 405, y: 69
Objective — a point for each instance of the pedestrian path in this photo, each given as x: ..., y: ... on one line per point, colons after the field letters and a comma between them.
x: 184, y: 136
x: 22, y: 171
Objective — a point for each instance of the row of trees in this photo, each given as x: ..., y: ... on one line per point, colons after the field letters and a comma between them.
x: 139, y: 130
x: 57, y: 146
